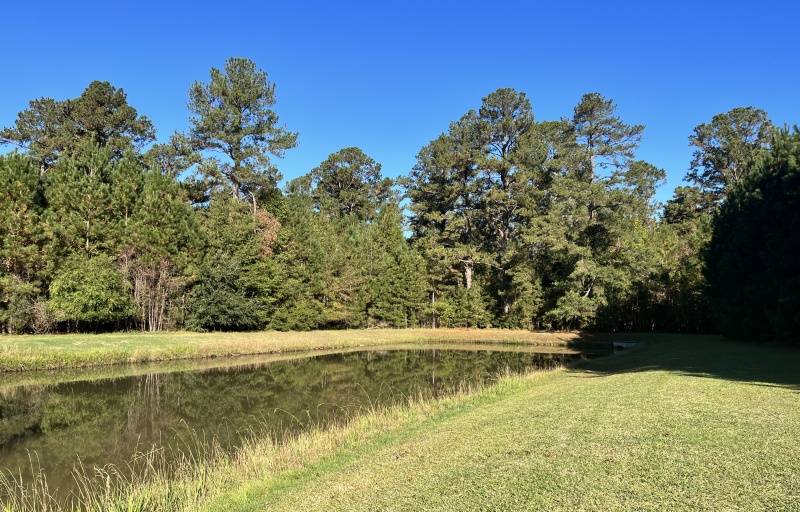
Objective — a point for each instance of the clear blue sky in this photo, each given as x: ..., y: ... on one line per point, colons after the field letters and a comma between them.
x: 390, y: 76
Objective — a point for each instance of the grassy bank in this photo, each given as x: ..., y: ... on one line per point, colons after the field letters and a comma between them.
x: 683, y: 423
x: 38, y: 352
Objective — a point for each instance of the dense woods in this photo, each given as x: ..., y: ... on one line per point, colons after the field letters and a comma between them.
x: 504, y: 221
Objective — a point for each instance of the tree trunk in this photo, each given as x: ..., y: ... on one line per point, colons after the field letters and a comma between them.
x: 433, y: 307
x: 88, y: 230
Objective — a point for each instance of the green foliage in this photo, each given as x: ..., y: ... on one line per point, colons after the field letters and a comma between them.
x: 221, y: 300
x: 234, y: 279
x: 93, y: 292
x: 342, y: 267
x: 465, y: 308
x: 300, y: 263
x: 349, y: 182
x: 17, y: 299
x: 162, y: 246
x: 232, y: 115
x: 51, y: 129
x: 22, y: 204
x: 751, y: 262
x: 539, y: 215
x: 727, y: 148
x: 513, y: 222
x: 687, y: 206
x: 162, y: 223
x: 607, y: 140
x: 395, y: 288
x: 172, y: 158
x: 726, y: 151
x: 468, y: 192
x: 79, y: 195
x: 24, y: 253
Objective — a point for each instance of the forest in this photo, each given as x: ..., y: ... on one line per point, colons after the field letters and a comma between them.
x: 504, y: 221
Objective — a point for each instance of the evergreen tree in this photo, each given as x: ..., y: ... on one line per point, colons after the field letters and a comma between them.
x: 587, y: 211
x: 162, y: 249
x: 445, y: 193
x: 172, y: 158
x: 349, y: 182
x: 606, y: 139
x: 300, y: 263
x: 751, y: 261
x: 24, y: 255
x: 394, y: 294
x: 79, y: 194
x: 726, y: 151
x: 727, y: 148
x: 232, y: 115
x: 234, y: 280
x: 51, y: 129
x: 466, y: 195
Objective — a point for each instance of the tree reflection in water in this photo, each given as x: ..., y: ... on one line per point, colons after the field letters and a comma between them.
x: 108, y: 421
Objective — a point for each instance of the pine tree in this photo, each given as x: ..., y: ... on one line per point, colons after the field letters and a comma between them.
x: 232, y: 115
x: 727, y: 148
x: 751, y: 261
x: 50, y: 129
x: 163, y: 244
x: 467, y: 191
x: 79, y: 194
x: 24, y: 253
x: 349, y: 182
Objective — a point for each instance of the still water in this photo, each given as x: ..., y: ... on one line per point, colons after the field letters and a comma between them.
x: 97, y: 418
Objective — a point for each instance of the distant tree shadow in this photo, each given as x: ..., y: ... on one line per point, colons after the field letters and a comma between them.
x: 698, y: 356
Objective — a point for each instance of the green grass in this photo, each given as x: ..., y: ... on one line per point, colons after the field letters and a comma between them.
x: 48, y: 352
x: 684, y: 423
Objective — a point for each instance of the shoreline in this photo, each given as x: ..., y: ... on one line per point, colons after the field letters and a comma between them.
x: 26, y: 353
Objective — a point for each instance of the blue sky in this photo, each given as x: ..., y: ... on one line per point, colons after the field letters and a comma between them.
x: 390, y: 76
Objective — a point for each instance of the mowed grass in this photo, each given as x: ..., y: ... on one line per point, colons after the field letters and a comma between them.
x: 38, y: 352
x: 683, y: 423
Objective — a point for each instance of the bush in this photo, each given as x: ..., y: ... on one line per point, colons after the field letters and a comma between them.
x: 91, y: 293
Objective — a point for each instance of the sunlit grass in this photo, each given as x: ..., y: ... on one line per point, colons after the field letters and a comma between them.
x: 676, y: 425
x: 41, y: 352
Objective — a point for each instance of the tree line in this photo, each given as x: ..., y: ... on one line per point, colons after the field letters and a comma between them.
x: 504, y: 221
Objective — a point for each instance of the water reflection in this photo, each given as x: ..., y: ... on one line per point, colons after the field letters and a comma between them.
x: 106, y: 421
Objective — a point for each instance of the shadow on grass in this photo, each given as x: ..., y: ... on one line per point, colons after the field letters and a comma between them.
x: 700, y: 356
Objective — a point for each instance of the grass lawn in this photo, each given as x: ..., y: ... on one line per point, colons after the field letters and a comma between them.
x: 683, y: 423
x: 37, y: 352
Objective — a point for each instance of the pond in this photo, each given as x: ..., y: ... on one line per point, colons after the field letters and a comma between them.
x: 106, y: 416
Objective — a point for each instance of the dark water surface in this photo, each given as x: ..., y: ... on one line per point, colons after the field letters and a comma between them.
x: 106, y: 417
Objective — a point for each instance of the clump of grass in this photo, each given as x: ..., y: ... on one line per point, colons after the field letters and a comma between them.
x: 150, y: 482
x: 17, y: 494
